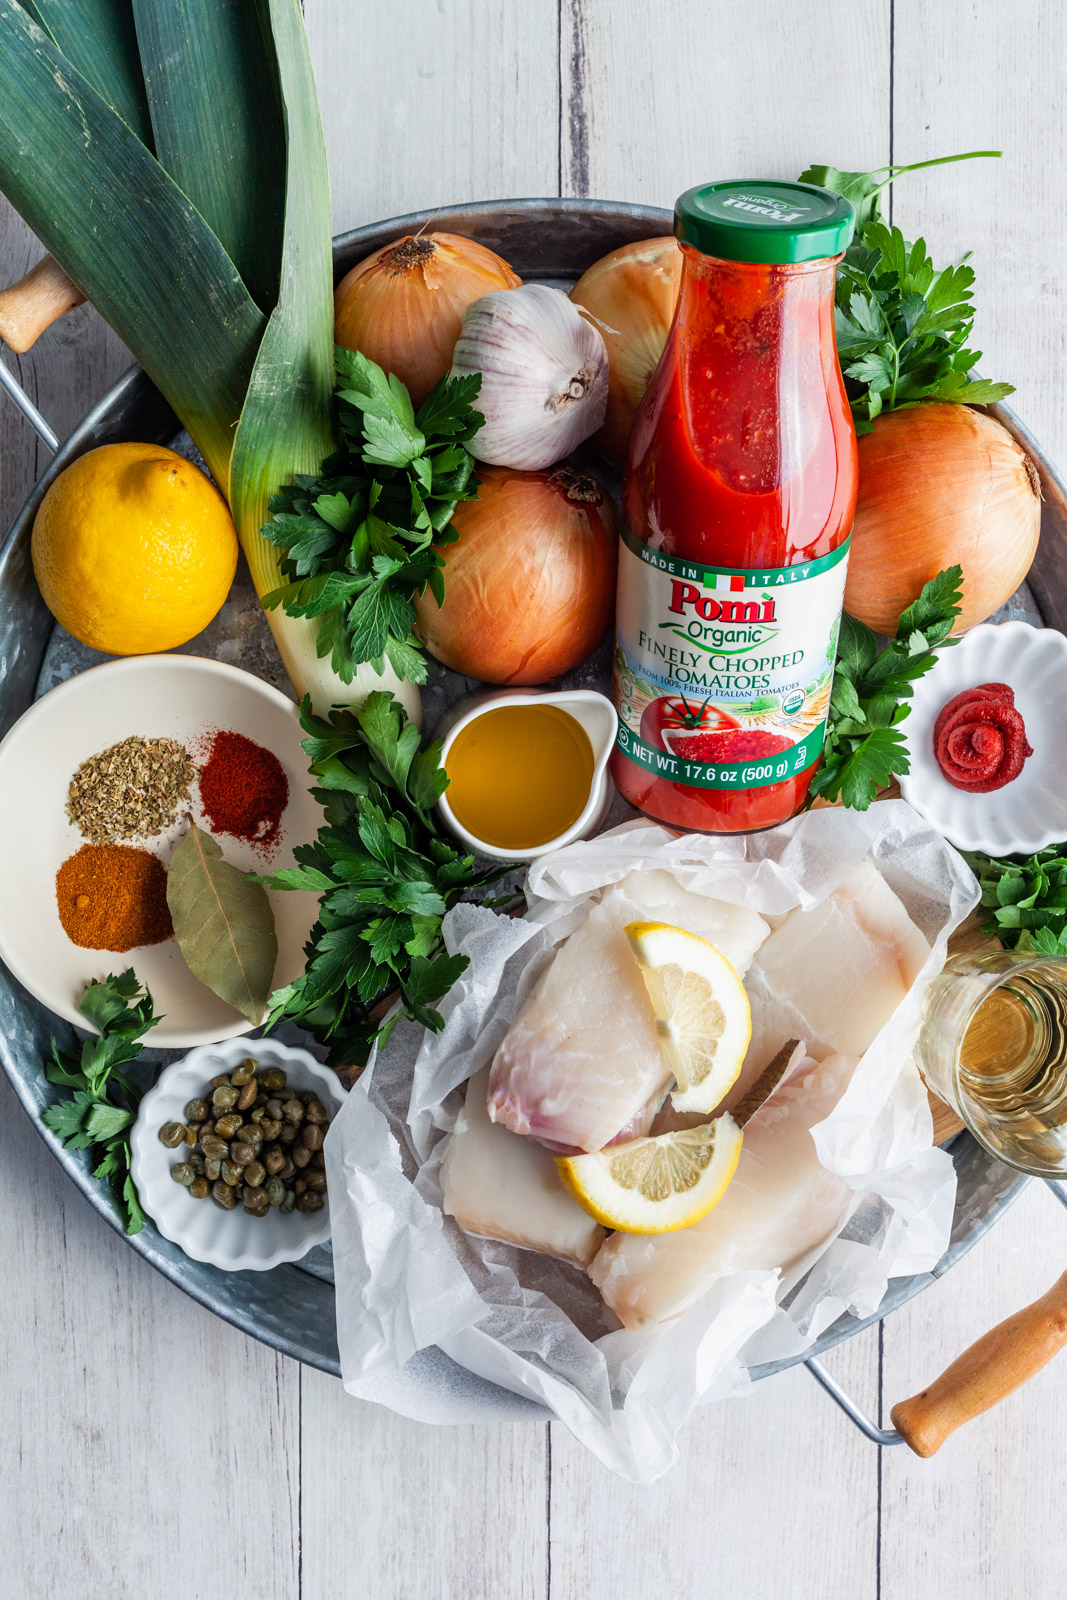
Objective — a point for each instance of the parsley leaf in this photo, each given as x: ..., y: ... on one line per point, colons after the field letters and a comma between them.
x: 359, y: 539
x: 1024, y: 902
x: 385, y: 875
x: 871, y: 689
x: 104, y: 1103
x: 902, y: 326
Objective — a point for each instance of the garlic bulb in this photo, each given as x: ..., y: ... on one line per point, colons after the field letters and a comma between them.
x: 544, y: 372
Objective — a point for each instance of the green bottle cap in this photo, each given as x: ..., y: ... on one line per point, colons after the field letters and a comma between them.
x: 766, y: 222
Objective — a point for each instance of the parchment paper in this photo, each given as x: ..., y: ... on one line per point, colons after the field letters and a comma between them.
x: 408, y: 1277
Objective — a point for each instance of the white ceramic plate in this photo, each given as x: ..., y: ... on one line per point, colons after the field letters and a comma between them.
x: 231, y: 1240
x: 1031, y: 812
x: 169, y: 696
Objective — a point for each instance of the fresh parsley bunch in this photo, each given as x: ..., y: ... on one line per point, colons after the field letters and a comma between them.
x: 871, y: 689
x: 104, y: 1103
x: 359, y: 538
x: 902, y: 326
x: 385, y: 875
x: 1024, y: 903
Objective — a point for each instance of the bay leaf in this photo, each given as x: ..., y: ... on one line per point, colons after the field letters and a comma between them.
x: 224, y: 925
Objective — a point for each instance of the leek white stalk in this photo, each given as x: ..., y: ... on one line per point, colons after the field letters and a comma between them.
x: 544, y: 372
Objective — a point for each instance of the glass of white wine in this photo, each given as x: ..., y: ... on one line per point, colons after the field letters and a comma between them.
x: 993, y: 1044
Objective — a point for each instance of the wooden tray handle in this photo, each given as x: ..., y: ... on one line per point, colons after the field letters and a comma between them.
x: 30, y: 306
x: 998, y: 1363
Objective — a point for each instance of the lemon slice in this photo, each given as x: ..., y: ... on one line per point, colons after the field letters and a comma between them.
x: 702, y: 1011
x: 658, y: 1184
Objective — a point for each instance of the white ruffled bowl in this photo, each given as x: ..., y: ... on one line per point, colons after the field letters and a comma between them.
x: 1031, y: 812
x: 231, y: 1240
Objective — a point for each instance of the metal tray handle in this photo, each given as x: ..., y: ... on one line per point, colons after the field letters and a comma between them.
x: 989, y: 1370
x: 30, y: 306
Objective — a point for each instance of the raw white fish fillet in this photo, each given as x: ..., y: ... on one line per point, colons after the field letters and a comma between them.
x: 833, y: 975
x: 582, y: 1059
x: 504, y: 1187
x: 781, y: 1204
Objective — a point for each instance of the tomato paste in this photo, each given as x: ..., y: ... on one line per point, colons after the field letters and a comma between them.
x: 980, y: 739
x: 738, y: 500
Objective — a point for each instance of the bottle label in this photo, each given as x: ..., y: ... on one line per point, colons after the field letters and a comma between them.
x: 722, y: 675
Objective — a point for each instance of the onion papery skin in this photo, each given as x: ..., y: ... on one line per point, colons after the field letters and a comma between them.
x: 940, y: 484
x: 530, y: 582
x: 633, y: 294
x: 403, y: 306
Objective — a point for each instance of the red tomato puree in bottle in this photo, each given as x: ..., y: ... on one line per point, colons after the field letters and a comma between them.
x: 738, y: 501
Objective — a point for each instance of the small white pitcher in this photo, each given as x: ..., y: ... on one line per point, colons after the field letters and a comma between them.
x: 592, y: 711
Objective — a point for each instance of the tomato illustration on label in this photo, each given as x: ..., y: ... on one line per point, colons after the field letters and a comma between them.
x: 731, y: 744
x: 663, y: 720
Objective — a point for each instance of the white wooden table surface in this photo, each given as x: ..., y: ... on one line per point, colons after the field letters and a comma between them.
x: 149, y: 1449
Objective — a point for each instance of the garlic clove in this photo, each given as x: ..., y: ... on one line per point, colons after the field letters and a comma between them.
x: 544, y: 372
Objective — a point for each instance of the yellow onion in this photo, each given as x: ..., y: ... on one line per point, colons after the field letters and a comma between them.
x: 632, y: 293
x: 403, y: 306
x: 530, y: 582
x: 939, y: 485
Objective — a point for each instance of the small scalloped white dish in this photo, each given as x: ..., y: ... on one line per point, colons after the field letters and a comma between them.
x: 1031, y: 811
x: 230, y: 1240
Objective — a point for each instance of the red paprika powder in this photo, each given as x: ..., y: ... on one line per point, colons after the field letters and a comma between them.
x: 243, y: 790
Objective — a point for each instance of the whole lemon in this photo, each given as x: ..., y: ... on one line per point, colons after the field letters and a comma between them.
x: 134, y: 549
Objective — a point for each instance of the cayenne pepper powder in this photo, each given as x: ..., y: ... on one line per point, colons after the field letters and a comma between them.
x: 113, y: 897
x: 244, y: 790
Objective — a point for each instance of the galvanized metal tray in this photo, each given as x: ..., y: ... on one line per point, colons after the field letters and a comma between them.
x: 292, y: 1307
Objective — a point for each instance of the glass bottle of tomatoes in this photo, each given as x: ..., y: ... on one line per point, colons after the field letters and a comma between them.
x: 738, y: 500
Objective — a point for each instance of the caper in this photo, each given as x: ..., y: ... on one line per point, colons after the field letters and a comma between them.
x: 272, y: 1159
x: 182, y: 1172
x: 196, y: 1111
x: 200, y: 1188
x: 196, y: 1161
x: 275, y: 1191
x: 301, y: 1155
x: 284, y: 1094
x: 287, y: 1133
x: 212, y: 1169
x: 318, y: 1159
x: 228, y: 1126
x: 221, y: 1081
x: 257, y: 1114
x: 316, y: 1111
x: 244, y: 1073
x: 206, y: 1129
x: 299, y: 1185
x: 214, y: 1148
x: 223, y: 1195
x: 311, y: 1136
x: 241, y: 1153
x: 256, y: 1203
x: 288, y: 1203
x: 255, y: 1172
x: 315, y: 1180
x: 171, y: 1134
x: 273, y: 1078
x: 270, y: 1127
x: 294, y: 1111
x: 224, y: 1098
x: 191, y: 1135
x: 287, y: 1171
x: 230, y: 1172
x: 310, y: 1202
x: 274, y: 1107
x: 247, y: 1097
x: 251, y: 1133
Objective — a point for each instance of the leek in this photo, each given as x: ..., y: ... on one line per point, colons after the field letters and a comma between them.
x: 239, y: 343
